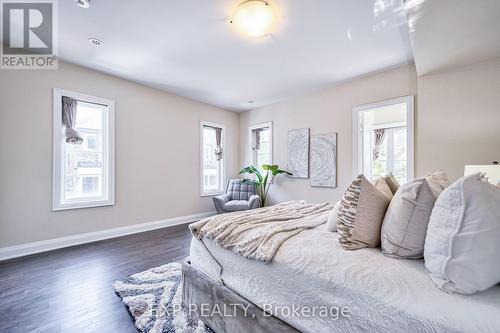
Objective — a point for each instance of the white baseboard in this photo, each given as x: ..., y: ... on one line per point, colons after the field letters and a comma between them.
x: 58, y: 243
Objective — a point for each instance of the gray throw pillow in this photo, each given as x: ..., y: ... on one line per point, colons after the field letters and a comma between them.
x: 405, y: 222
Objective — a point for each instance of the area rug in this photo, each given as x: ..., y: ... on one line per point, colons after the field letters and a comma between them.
x: 154, y: 299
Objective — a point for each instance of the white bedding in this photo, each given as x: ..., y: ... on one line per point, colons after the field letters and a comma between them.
x: 383, y: 294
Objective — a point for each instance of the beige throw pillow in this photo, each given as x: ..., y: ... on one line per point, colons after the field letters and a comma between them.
x: 405, y: 223
x: 388, y: 184
x: 360, y: 216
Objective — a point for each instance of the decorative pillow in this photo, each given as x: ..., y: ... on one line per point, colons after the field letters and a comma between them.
x: 462, y: 246
x: 388, y: 184
x: 406, y: 220
x: 360, y: 216
x: 331, y: 225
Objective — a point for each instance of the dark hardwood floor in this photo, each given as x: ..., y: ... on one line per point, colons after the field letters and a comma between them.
x: 70, y: 290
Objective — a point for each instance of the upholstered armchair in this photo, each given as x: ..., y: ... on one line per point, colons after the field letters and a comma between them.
x: 238, y: 197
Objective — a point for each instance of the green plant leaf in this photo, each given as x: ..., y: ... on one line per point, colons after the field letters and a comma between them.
x: 279, y: 172
x: 247, y: 169
x: 264, y: 182
x: 257, y: 173
x: 250, y: 181
x: 252, y: 170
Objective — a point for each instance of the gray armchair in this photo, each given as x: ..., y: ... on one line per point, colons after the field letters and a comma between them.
x: 238, y: 197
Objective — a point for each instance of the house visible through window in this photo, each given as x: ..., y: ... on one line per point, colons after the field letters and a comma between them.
x: 261, y: 145
x: 212, y: 166
x: 83, y: 164
x: 90, y: 185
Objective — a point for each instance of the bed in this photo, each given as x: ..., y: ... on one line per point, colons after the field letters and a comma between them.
x: 310, y: 270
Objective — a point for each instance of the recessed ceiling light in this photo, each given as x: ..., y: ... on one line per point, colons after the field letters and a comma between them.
x: 251, y: 102
x: 95, y: 42
x: 83, y: 3
x: 255, y: 18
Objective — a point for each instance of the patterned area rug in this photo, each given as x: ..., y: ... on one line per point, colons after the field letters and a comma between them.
x: 154, y: 299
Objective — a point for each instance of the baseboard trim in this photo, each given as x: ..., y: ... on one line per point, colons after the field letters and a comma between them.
x: 16, y: 251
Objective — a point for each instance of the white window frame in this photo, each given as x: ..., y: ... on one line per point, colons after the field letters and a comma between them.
x: 108, y: 152
x: 251, y: 152
x: 357, y: 142
x: 222, y: 184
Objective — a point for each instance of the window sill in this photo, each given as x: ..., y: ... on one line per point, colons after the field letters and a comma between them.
x: 79, y: 205
x: 211, y: 194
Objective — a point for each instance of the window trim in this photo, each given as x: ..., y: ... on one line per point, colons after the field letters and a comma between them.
x: 204, y: 123
x: 357, y: 145
x: 56, y: 161
x: 251, y: 152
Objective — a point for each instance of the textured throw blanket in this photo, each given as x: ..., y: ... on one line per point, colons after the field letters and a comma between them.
x: 257, y: 234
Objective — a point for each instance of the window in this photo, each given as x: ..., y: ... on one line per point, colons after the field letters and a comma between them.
x: 90, y: 185
x: 260, y: 138
x: 392, y: 155
x: 383, y: 139
x: 83, y: 174
x: 92, y: 142
x: 212, y: 158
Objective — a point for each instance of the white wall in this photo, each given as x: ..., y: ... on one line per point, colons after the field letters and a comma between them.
x: 326, y: 111
x: 157, y: 141
x: 457, y: 122
x: 157, y: 154
x: 459, y: 118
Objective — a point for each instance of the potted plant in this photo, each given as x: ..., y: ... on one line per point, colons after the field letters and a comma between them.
x: 262, y: 183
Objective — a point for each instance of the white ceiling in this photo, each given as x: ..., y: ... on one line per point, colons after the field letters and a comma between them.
x: 189, y: 48
x: 453, y: 33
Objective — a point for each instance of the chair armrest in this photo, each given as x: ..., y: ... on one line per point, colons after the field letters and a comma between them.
x: 223, y: 198
x: 219, y: 202
x: 254, y: 201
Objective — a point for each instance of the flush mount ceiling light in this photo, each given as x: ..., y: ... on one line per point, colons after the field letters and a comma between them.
x: 83, y: 3
x: 254, y: 18
x: 95, y: 42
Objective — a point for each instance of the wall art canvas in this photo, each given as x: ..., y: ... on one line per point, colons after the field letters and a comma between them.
x: 324, y: 160
x: 298, y: 152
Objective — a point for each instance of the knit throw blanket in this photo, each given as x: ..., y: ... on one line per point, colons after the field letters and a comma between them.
x: 257, y: 234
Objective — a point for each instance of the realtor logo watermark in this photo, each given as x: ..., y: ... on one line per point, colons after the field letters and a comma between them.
x: 29, y: 34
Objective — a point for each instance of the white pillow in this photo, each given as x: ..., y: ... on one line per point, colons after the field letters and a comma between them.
x: 462, y: 246
x: 331, y: 225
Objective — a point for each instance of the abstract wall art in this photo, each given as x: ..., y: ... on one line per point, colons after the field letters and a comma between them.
x: 298, y: 152
x: 324, y: 160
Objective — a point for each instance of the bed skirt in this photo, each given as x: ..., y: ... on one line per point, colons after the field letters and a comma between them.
x: 222, y: 309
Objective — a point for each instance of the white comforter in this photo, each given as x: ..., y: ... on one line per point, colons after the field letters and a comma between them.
x: 382, y: 293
